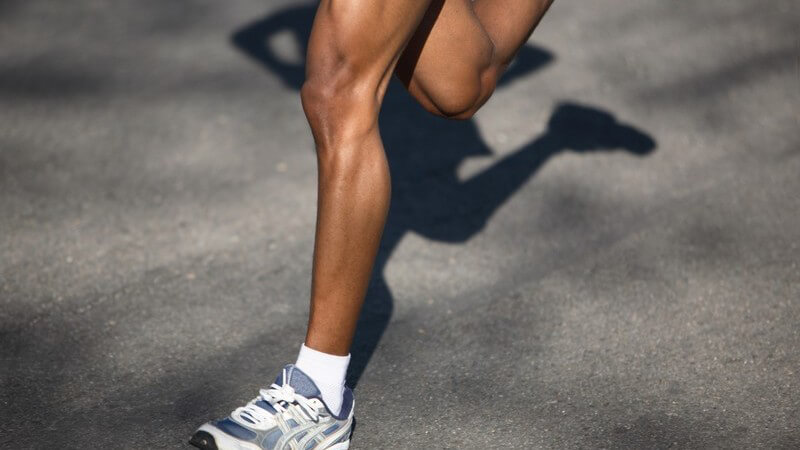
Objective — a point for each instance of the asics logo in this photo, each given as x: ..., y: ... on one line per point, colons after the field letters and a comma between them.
x: 290, y: 441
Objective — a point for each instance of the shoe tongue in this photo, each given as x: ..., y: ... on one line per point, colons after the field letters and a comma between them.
x: 299, y: 381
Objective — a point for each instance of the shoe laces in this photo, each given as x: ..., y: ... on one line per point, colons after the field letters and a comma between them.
x: 283, y: 399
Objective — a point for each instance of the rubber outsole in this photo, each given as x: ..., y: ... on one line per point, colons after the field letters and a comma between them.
x: 203, y: 441
x: 209, y: 437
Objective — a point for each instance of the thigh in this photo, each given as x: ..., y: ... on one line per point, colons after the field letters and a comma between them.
x: 360, y: 41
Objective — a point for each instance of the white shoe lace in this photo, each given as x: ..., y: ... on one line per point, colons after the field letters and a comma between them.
x: 283, y: 399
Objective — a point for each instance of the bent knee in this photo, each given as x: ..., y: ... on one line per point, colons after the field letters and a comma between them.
x: 461, y: 100
x: 457, y: 102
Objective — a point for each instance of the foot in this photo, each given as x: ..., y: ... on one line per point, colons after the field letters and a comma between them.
x: 288, y: 415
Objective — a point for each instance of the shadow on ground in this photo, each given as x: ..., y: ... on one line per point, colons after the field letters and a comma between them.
x: 424, y: 153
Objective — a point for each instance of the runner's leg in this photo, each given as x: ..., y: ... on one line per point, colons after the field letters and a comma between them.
x: 352, y: 53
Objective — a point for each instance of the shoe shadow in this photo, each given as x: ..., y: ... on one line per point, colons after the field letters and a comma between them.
x: 424, y: 152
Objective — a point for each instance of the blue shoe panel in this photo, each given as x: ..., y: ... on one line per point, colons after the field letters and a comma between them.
x: 234, y: 429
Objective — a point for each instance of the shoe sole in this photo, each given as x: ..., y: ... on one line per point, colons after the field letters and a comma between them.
x: 207, y: 437
x: 203, y: 441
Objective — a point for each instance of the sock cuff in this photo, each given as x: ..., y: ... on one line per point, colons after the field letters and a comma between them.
x: 323, y: 368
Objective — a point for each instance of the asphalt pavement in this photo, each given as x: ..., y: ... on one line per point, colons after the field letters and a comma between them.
x: 606, y: 256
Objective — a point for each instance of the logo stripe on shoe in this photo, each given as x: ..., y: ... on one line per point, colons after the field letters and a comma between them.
x: 339, y: 435
x: 316, y: 437
x: 300, y: 434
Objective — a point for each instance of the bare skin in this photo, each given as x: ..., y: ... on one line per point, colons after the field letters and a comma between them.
x: 449, y: 54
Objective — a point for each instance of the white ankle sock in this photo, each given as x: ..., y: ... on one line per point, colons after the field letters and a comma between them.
x: 327, y: 371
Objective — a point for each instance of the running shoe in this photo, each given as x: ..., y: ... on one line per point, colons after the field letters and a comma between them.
x: 290, y: 415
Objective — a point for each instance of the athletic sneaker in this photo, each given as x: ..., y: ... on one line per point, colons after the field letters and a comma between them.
x: 288, y: 415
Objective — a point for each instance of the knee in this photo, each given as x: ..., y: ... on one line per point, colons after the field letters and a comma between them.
x: 458, y: 102
x: 461, y: 100
x: 340, y: 106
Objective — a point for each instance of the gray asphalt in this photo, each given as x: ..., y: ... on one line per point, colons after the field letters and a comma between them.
x: 606, y: 256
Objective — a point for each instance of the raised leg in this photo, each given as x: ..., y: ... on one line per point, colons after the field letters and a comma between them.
x: 455, y: 58
x: 352, y: 53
